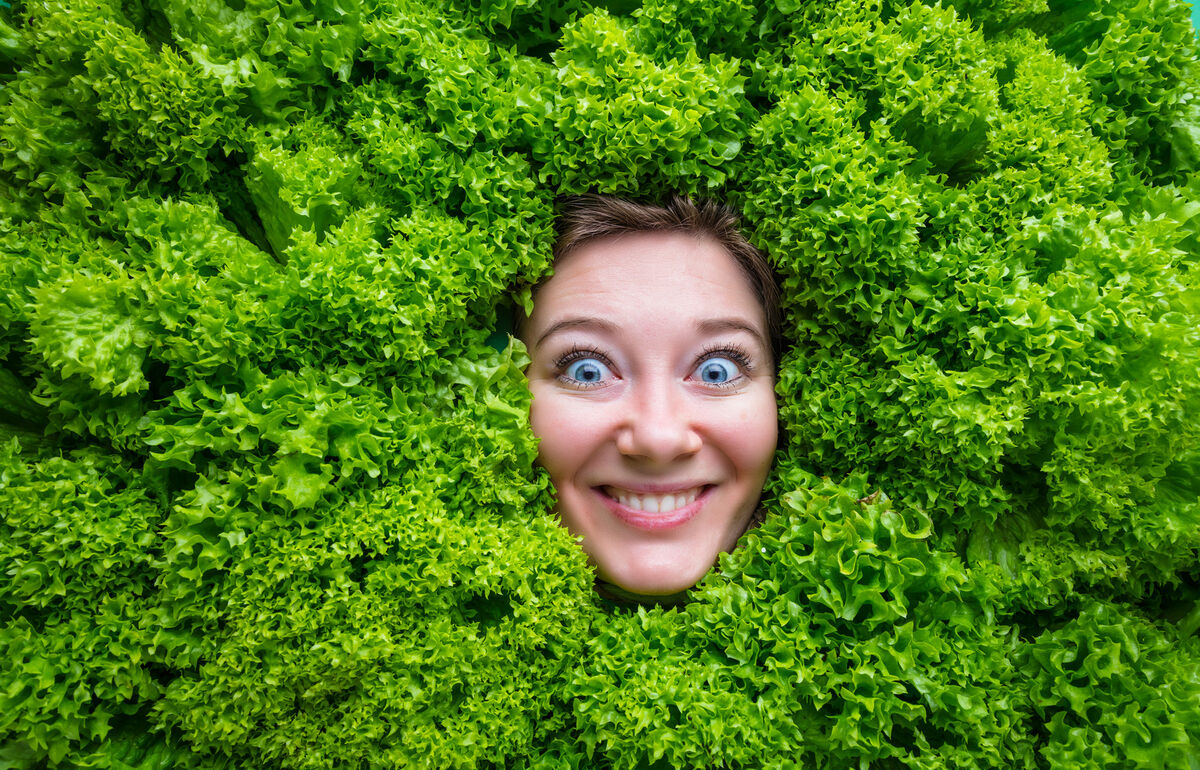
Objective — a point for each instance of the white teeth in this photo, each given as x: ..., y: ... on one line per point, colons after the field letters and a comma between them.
x: 654, y: 503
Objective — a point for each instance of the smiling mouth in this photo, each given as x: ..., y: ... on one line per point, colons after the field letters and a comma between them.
x: 654, y: 513
x: 648, y: 503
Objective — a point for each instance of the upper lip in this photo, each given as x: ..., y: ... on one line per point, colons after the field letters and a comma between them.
x: 658, y: 489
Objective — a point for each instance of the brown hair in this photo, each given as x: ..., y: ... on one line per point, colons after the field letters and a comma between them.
x: 585, y: 218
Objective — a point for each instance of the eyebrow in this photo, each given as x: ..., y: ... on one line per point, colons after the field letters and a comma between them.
x: 707, y: 326
x: 717, y: 325
x: 584, y: 322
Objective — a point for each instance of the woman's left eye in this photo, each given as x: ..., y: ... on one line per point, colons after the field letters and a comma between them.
x: 717, y: 371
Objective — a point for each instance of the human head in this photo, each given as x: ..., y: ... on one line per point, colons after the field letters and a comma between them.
x: 653, y: 353
x: 586, y: 218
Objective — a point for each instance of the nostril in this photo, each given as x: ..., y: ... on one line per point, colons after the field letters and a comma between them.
x: 661, y: 442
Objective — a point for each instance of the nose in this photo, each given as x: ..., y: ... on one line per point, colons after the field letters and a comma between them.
x: 658, y: 426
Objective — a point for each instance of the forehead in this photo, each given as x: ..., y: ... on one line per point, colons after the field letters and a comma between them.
x: 660, y: 275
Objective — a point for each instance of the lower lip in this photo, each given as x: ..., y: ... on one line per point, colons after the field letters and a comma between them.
x: 655, y: 522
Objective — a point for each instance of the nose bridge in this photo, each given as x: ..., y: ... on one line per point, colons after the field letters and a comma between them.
x: 659, y: 424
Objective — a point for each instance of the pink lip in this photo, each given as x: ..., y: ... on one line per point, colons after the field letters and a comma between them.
x: 655, y: 522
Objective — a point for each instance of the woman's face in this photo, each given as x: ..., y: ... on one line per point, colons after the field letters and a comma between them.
x: 654, y: 399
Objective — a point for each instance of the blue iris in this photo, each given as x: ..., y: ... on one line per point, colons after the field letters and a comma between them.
x: 589, y: 371
x: 716, y: 371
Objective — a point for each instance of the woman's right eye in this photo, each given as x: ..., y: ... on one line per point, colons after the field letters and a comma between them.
x: 587, y: 371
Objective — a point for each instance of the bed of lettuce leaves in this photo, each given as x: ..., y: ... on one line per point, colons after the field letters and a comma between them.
x: 268, y: 490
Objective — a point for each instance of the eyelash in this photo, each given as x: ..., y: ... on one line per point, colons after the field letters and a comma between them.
x: 734, y: 353
x: 574, y: 354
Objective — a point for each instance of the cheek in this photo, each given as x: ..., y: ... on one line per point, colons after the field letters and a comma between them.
x: 750, y: 436
x: 568, y: 432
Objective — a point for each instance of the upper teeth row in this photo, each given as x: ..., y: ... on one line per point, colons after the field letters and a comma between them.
x: 655, y: 503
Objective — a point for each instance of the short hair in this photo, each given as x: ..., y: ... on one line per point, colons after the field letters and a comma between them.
x: 585, y: 218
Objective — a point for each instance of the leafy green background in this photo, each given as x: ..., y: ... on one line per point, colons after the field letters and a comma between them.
x: 269, y: 497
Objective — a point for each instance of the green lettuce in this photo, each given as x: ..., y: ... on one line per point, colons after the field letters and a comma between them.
x: 268, y: 486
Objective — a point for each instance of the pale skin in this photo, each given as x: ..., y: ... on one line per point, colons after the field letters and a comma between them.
x: 654, y: 402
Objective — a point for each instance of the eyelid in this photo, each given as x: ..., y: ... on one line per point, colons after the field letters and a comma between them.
x: 582, y: 351
x: 578, y: 353
x: 735, y: 353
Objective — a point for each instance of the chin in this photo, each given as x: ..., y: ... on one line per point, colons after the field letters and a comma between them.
x: 657, y: 581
